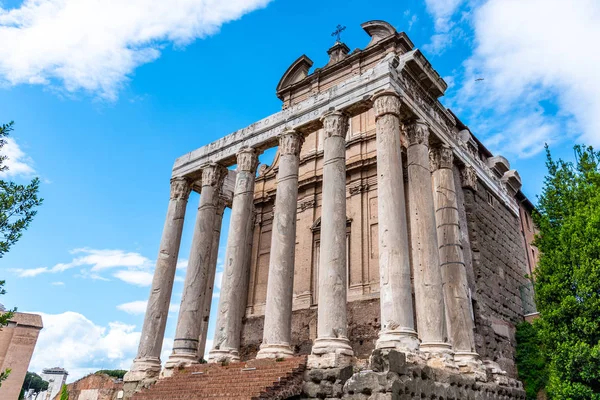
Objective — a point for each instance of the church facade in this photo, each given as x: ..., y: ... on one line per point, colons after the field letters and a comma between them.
x: 382, y: 224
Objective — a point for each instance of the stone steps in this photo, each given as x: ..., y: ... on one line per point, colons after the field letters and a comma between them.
x: 255, y: 379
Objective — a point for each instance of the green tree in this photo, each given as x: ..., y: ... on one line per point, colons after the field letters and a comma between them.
x: 115, y: 373
x: 5, y: 316
x: 531, y: 360
x: 568, y: 275
x: 64, y: 393
x: 33, y: 381
x: 18, y: 203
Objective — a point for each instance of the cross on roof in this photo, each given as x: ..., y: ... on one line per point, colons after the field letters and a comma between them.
x: 338, y: 31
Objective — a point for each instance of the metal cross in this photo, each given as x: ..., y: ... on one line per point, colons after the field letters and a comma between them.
x: 338, y: 31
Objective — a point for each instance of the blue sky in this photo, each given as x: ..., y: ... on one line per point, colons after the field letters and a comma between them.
x: 104, y: 100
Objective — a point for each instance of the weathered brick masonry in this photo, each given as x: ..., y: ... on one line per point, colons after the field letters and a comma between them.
x: 499, y: 268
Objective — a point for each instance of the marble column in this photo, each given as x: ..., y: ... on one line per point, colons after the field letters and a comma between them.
x: 429, y: 297
x: 147, y: 364
x: 207, y: 295
x: 397, y: 321
x: 332, y: 326
x: 452, y: 263
x: 185, y: 345
x: 232, y: 304
x: 278, y: 311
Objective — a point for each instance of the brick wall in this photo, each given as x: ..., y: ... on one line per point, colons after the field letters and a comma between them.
x: 17, y: 341
x: 94, y: 387
x: 499, y: 267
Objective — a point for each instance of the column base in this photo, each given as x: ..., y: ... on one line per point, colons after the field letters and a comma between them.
x: 438, y: 354
x: 283, y: 350
x: 223, y: 355
x: 181, y: 360
x: 331, y: 353
x: 436, y: 347
x: 466, y: 357
x: 143, y: 369
x: 404, y: 340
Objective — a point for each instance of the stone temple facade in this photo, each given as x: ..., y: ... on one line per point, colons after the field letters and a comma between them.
x: 383, y: 225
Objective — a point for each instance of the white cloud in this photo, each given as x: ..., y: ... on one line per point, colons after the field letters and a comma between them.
x: 134, y: 307
x: 442, y: 12
x: 138, y: 278
x: 533, y: 53
x: 18, y: 163
x: 182, y: 263
x: 139, y: 307
x: 58, y: 284
x: 96, y: 45
x: 218, y: 280
x: 72, y: 341
x: 96, y: 261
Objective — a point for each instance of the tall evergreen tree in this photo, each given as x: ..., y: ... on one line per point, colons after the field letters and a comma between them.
x: 568, y: 275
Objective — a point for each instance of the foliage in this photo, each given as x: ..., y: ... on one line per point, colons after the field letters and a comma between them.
x: 531, y: 360
x: 17, y: 202
x: 4, y: 375
x: 64, y: 393
x: 35, y: 382
x: 115, y: 373
x: 4, y: 318
x: 568, y: 275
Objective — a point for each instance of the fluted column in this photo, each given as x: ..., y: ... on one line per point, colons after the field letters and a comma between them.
x: 185, y: 345
x: 207, y: 295
x: 278, y: 312
x: 429, y: 297
x: 235, y: 275
x: 397, y: 321
x: 147, y: 363
x: 454, y: 274
x: 332, y: 327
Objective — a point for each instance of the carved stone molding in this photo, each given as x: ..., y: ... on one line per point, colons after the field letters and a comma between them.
x: 360, y: 188
x: 180, y: 189
x: 440, y: 157
x: 335, y: 123
x: 386, y: 103
x: 213, y: 175
x: 290, y: 143
x: 468, y: 177
x: 418, y: 133
x: 247, y: 160
x: 306, y: 204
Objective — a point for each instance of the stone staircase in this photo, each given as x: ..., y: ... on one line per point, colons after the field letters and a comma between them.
x: 255, y: 379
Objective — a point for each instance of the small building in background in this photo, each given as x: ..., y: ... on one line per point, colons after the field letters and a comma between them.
x: 56, y: 378
x: 17, y: 341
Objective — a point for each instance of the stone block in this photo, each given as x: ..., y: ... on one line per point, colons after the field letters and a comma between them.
x: 366, y: 382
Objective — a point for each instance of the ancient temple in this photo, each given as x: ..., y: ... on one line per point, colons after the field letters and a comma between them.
x: 383, y: 237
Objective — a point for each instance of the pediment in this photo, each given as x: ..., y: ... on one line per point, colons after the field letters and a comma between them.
x: 295, y: 73
x: 378, y: 30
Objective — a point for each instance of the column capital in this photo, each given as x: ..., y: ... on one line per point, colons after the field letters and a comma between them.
x: 180, y: 189
x: 290, y: 142
x: 247, y: 160
x: 468, y: 177
x: 213, y: 174
x: 441, y: 157
x: 417, y: 132
x: 335, y: 123
x: 387, y: 102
